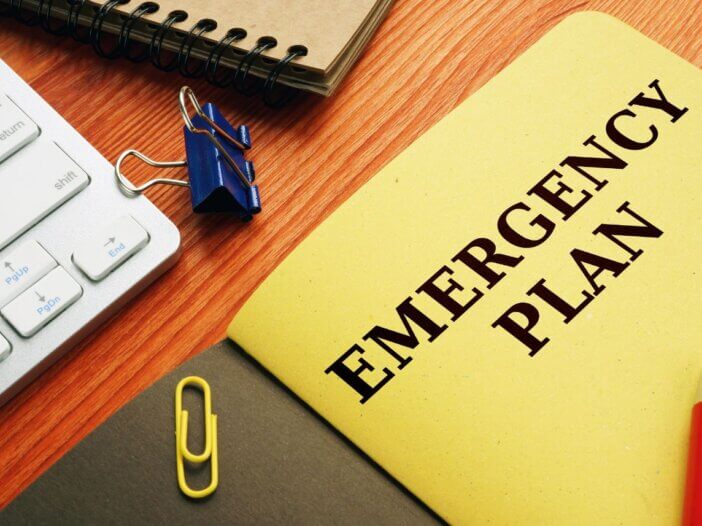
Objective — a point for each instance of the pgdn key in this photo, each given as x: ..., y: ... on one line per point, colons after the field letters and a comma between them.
x: 42, y: 302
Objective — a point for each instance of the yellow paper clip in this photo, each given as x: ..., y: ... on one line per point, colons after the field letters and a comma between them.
x: 181, y: 434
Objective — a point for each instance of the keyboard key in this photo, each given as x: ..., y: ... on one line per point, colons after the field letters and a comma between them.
x: 34, y: 183
x: 21, y: 269
x: 5, y: 348
x: 42, y: 302
x: 16, y: 129
x: 110, y: 247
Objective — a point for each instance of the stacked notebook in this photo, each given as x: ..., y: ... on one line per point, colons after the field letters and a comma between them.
x: 320, y: 39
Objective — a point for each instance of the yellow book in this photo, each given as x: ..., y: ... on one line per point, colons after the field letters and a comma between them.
x: 506, y: 317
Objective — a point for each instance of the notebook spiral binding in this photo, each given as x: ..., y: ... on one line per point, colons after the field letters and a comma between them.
x: 274, y: 95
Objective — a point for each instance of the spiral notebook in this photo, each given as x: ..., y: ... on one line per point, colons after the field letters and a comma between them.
x: 308, y: 44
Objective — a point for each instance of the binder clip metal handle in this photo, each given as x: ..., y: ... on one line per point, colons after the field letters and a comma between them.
x: 132, y: 191
x: 185, y: 91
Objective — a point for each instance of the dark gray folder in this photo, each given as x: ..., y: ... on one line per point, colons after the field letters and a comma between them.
x: 279, y: 463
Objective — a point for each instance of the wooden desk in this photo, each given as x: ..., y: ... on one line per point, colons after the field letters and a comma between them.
x: 427, y: 57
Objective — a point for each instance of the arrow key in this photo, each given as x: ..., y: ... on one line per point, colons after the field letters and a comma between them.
x: 41, y: 303
x: 21, y: 269
x: 110, y: 247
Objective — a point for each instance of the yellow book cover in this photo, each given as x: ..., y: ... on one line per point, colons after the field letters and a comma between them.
x: 506, y: 317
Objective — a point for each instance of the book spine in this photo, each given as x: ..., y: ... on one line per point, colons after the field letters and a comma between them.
x: 84, y: 21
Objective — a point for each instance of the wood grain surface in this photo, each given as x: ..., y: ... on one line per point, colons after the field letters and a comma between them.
x: 427, y: 57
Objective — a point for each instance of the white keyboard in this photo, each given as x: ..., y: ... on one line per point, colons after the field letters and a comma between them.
x: 73, y: 248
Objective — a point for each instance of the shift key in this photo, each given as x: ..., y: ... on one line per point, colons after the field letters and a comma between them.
x: 33, y: 183
x: 42, y: 302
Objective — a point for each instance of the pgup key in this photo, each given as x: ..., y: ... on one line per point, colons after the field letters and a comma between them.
x: 21, y: 269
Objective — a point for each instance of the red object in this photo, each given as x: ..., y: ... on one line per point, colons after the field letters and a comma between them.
x: 692, y: 512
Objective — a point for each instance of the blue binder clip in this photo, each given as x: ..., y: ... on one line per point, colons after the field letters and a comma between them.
x: 220, y: 177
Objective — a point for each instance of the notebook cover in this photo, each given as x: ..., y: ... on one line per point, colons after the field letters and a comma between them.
x: 279, y: 464
x: 325, y: 28
x: 581, y: 419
